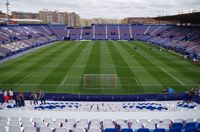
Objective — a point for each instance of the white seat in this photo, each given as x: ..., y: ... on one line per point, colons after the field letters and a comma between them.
x: 45, y: 129
x: 14, y: 129
x: 119, y: 121
x: 30, y: 129
x: 178, y: 121
x: 96, y: 121
x: 144, y: 121
x: 25, y: 119
x: 27, y: 124
x: 167, y: 121
x: 48, y: 120
x: 54, y: 125
x: 82, y: 125
x: 3, y: 123
x: 83, y: 121
x: 14, y: 119
x: 198, y: 120
x: 107, y: 120
x: 94, y: 130
x: 60, y: 130
x: 78, y: 130
x: 40, y: 124
x: 150, y: 126
x: 93, y: 126
x: 2, y: 129
x: 136, y: 126
x: 155, y: 121
x: 4, y: 119
x: 37, y: 120
x: 68, y: 125
x: 108, y: 125
x: 15, y: 123
x: 163, y: 125
x: 189, y: 120
x: 123, y: 125
x: 60, y: 120
x: 71, y: 120
x: 131, y: 121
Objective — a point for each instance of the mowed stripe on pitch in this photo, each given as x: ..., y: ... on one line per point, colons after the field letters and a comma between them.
x: 74, y: 74
x: 152, y: 68
x: 22, y: 72
x: 118, y: 60
x: 25, y: 60
x: 56, y: 75
x: 176, y: 64
x: 108, y: 66
x: 43, y: 72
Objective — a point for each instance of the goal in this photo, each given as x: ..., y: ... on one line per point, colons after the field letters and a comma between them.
x: 100, y: 81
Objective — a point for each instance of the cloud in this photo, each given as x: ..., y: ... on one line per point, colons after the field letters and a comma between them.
x: 106, y: 8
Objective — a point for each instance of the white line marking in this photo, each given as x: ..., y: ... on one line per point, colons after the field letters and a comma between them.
x: 62, y: 83
x: 138, y: 83
x: 172, y: 76
x: 28, y: 75
x: 156, y: 85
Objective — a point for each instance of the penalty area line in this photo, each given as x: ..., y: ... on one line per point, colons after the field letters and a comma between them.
x: 62, y: 83
x: 137, y: 81
x: 172, y: 76
x: 28, y: 75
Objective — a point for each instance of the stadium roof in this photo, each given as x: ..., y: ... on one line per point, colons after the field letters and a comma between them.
x: 193, y: 18
x: 21, y: 20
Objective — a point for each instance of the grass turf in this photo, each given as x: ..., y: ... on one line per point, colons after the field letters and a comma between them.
x: 60, y: 68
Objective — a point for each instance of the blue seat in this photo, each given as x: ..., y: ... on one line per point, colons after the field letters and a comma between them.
x: 110, y: 130
x: 174, y: 130
x: 177, y: 125
x: 190, y: 125
x: 143, y: 130
x: 191, y: 130
x: 159, y: 130
x: 198, y: 126
x: 126, y: 130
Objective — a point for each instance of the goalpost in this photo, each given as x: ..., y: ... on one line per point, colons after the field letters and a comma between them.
x: 100, y: 81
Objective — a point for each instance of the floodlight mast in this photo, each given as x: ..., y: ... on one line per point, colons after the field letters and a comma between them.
x: 8, y: 9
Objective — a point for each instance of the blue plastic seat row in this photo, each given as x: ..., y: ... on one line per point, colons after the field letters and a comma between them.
x: 148, y: 130
x: 186, y: 126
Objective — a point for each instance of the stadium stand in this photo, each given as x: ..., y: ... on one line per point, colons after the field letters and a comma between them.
x: 15, y: 39
x: 79, y: 116
x: 185, y: 40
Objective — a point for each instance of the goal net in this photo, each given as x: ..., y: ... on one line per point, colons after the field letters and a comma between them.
x: 100, y: 81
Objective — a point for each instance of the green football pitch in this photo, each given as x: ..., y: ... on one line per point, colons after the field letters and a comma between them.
x: 99, y: 67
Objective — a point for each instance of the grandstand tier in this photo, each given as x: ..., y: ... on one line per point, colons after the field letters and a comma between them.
x: 184, y: 40
x: 100, y: 116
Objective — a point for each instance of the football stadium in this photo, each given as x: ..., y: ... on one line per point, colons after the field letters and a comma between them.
x: 116, y: 68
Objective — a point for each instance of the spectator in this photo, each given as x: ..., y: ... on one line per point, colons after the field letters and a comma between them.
x: 199, y: 91
x: 42, y: 97
x: 191, y: 94
x: 31, y: 97
x: 10, y: 94
x: 5, y: 96
x: 1, y: 92
x: 1, y: 95
x: 186, y: 97
x: 17, y: 100
x: 35, y: 98
x: 21, y: 99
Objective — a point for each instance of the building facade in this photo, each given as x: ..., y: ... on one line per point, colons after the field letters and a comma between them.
x: 71, y: 19
x: 88, y: 22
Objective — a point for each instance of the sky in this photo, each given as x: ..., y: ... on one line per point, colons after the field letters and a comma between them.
x: 113, y: 9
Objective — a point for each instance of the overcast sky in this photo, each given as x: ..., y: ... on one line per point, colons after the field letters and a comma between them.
x: 106, y: 8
